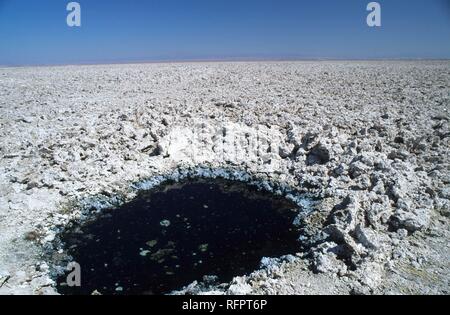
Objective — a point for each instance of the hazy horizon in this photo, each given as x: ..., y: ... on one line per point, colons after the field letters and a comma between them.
x: 220, y: 60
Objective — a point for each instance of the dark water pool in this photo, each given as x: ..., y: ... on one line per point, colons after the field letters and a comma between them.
x: 170, y: 236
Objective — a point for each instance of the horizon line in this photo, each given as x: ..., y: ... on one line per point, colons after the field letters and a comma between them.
x: 212, y: 60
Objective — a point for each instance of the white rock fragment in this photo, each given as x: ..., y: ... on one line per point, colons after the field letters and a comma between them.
x: 165, y: 223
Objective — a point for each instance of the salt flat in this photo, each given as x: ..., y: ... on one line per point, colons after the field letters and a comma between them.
x: 369, y: 140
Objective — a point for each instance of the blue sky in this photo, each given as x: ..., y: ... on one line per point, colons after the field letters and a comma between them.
x: 35, y: 32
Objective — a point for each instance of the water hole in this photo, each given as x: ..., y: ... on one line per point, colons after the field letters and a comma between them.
x: 172, y: 235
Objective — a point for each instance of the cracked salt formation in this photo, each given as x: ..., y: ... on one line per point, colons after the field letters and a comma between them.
x: 368, y: 140
x: 204, y: 230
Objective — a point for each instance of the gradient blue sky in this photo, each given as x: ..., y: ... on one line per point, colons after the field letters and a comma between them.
x: 35, y: 32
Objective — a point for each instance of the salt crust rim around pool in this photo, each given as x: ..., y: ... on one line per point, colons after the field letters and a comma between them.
x: 91, y: 207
